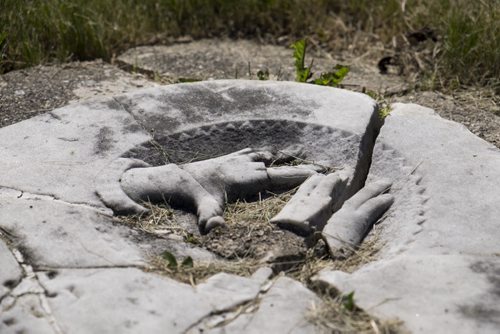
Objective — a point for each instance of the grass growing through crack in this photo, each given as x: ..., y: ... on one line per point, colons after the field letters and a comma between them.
x: 335, y: 312
x: 202, y: 270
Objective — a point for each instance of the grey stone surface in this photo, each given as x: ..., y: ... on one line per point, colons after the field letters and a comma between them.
x: 439, y: 266
x: 60, y: 153
x: 437, y: 270
x: 11, y: 273
x: 282, y: 308
x: 24, y: 315
x: 54, y: 234
x: 53, y: 166
x: 131, y: 301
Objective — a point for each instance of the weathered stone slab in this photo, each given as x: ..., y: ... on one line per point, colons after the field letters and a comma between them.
x: 52, y: 166
x: 59, y: 153
x: 24, y: 315
x: 11, y: 272
x: 284, y: 308
x: 438, y: 269
x: 81, y: 140
x: 131, y: 301
x: 55, y: 234
x: 439, y: 266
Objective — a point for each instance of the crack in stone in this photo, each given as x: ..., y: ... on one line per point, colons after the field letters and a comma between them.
x: 34, y: 287
x: 50, y: 197
x: 49, y: 268
x: 244, y: 307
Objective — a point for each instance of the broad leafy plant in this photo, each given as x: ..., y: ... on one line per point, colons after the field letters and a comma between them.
x: 304, y: 73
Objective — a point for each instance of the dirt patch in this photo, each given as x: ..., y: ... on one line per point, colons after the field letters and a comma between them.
x: 249, y: 241
x: 29, y: 92
x: 244, y: 59
x: 249, y: 234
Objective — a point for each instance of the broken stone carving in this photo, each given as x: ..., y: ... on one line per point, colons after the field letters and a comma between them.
x: 312, y: 206
x: 437, y: 268
x: 204, y: 187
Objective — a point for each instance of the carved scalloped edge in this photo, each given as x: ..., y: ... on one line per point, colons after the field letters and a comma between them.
x: 109, y: 190
x: 410, y: 175
x: 249, y: 125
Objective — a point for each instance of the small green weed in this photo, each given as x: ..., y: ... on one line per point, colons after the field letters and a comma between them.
x: 263, y: 75
x: 348, y: 301
x: 172, y: 261
x: 384, y: 105
x: 304, y: 73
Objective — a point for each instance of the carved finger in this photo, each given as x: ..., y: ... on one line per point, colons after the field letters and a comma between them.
x: 376, y: 207
x: 327, y: 185
x: 288, y: 155
x: 308, y: 186
x: 290, y: 176
x: 263, y: 156
x: 369, y: 191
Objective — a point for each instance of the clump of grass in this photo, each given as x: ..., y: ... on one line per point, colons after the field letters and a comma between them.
x: 160, y: 221
x: 471, y: 49
x: 260, y: 211
x: 200, y: 271
x: 467, y: 51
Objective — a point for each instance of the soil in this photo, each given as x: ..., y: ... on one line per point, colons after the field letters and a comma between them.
x: 32, y: 91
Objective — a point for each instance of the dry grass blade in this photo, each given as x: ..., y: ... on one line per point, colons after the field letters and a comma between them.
x: 203, y: 270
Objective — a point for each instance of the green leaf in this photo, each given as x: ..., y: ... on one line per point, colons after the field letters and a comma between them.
x: 190, y: 238
x: 263, y: 75
x: 187, y: 262
x: 170, y: 258
x: 348, y: 301
x: 333, y: 78
x: 302, y: 73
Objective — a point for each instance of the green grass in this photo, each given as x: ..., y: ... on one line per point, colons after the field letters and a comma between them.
x: 39, y: 31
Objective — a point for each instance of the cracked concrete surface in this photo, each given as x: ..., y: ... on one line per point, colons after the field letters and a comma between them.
x: 437, y: 271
